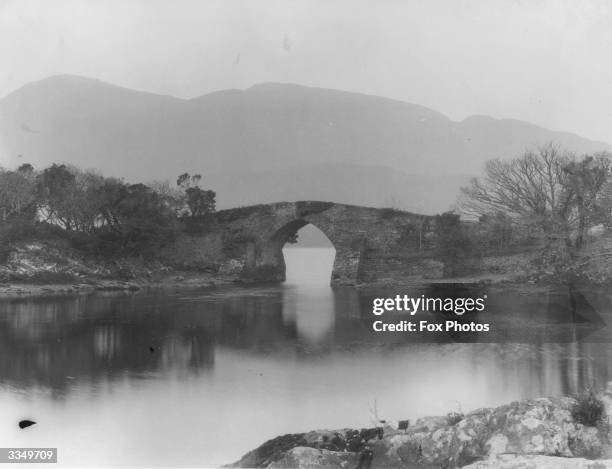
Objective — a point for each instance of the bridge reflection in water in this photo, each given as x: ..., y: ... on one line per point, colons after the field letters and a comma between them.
x: 242, y: 354
x: 51, y: 341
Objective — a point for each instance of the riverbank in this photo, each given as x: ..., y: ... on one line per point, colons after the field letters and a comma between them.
x: 176, y: 280
x: 47, y: 268
x: 168, y: 278
x: 537, y: 433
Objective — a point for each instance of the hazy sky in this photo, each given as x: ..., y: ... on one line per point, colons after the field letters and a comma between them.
x: 547, y: 62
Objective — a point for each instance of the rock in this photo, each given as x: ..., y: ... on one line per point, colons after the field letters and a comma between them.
x: 513, y: 461
x: 430, y: 423
x: 271, y: 451
x: 310, y: 458
x: 531, y: 429
x: 231, y: 267
x: 347, y: 441
x: 540, y: 426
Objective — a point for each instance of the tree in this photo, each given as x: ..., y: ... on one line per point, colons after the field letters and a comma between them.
x: 26, y: 168
x: 16, y: 193
x: 531, y: 188
x: 136, y: 219
x: 196, y: 201
x: 17, y: 207
x: 199, y: 201
x: 585, y: 183
x: 186, y: 180
x: 549, y: 189
x: 173, y: 197
x: 55, y: 188
x: 145, y: 222
x: 84, y: 201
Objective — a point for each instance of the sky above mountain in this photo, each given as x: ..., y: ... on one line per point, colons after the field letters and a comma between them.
x: 542, y: 61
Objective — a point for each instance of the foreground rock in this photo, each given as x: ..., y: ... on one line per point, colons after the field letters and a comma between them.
x: 512, y: 461
x: 532, y: 433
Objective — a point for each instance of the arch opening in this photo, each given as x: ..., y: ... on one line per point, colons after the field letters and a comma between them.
x: 308, y: 255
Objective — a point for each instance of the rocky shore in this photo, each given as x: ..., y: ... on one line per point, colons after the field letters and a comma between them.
x: 542, y: 433
x: 43, y: 268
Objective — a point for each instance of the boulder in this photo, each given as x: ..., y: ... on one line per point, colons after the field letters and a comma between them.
x: 311, y: 458
x: 526, y: 432
x: 531, y: 427
x: 514, y: 461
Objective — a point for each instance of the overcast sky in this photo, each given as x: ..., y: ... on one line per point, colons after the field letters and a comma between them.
x: 548, y: 62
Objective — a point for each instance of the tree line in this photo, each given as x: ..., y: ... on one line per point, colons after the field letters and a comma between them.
x: 103, y: 214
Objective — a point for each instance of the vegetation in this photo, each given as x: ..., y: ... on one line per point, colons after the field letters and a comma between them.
x: 548, y: 200
x: 551, y: 193
x: 589, y: 409
x: 102, y: 215
x: 454, y: 246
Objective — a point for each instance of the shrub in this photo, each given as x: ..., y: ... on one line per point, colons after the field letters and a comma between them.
x: 589, y: 409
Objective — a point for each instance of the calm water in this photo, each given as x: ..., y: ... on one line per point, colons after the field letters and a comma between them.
x: 199, y: 377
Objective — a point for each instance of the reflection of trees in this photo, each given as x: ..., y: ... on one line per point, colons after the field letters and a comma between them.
x: 50, y: 341
x: 546, y: 369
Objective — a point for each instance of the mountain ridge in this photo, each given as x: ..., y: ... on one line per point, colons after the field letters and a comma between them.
x: 279, y: 130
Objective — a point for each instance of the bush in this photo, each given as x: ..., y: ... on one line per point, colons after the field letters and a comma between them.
x: 589, y: 409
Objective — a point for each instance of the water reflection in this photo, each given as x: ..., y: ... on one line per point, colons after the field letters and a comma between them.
x: 141, y: 365
x: 48, y: 342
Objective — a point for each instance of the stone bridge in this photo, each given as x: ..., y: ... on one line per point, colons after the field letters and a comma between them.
x: 370, y: 243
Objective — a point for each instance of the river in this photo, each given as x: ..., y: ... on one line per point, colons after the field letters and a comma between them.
x: 199, y: 377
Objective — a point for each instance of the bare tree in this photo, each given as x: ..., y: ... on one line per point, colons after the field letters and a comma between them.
x: 531, y: 187
x: 549, y: 189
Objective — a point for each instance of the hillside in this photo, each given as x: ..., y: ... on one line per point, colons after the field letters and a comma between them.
x: 267, y: 143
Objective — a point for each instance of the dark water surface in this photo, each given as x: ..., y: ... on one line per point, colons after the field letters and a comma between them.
x: 199, y: 377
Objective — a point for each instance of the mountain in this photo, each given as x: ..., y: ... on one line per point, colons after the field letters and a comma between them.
x: 267, y: 143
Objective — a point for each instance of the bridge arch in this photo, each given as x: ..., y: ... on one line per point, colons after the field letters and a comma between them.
x: 272, y: 247
x: 370, y: 243
x: 348, y: 246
